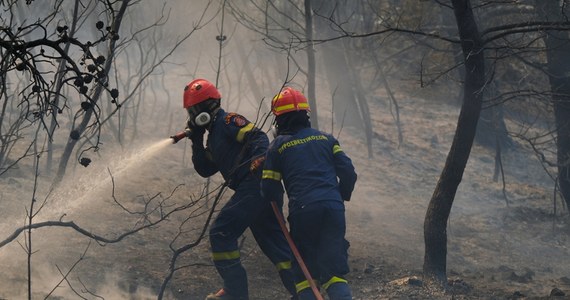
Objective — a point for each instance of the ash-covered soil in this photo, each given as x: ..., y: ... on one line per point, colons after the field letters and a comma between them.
x: 506, y: 241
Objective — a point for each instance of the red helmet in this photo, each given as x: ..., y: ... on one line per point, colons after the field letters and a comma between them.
x: 289, y: 99
x: 199, y: 90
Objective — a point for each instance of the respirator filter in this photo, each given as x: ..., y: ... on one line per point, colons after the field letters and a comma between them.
x: 202, y: 119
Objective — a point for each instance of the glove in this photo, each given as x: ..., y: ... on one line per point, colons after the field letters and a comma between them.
x: 256, y: 164
x: 182, y: 134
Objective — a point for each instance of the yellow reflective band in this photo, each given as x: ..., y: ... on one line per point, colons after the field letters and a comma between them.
x: 241, y: 134
x: 334, y: 279
x: 225, y: 255
x: 285, y: 265
x: 291, y: 107
x: 302, y: 285
x: 336, y: 149
x: 268, y: 174
x: 284, y: 107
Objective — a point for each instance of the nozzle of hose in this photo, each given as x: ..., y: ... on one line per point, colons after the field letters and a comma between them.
x: 182, y: 134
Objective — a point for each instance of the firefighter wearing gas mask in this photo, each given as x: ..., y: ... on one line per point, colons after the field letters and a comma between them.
x: 318, y: 177
x: 236, y: 149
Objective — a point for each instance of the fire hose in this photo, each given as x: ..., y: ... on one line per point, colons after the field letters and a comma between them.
x: 296, y: 253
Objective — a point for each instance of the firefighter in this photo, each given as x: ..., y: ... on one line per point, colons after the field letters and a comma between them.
x: 236, y: 149
x: 318, y: 177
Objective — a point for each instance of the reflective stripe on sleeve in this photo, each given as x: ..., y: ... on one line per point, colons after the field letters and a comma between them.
x: 336, y: 149
x: 216, y: 256
x: 241, y: 133
x: 269, y: 174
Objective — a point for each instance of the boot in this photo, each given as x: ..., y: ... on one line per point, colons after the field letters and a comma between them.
x: 339, y: 291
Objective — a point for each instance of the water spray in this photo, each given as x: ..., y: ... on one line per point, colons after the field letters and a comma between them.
x: 85, y: 188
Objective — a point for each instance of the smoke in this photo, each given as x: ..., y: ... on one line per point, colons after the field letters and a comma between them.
x: 84, y: 198
x: 48, y: 279
x: 135, y: 161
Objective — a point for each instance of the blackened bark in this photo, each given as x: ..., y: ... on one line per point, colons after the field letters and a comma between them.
x: 77, y: 131
x: 491, y: 129
x: 557, y: 53
x: 439, y: 208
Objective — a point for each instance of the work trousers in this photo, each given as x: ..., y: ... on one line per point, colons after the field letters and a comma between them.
x: 247, y: 208
x: 318, y: 230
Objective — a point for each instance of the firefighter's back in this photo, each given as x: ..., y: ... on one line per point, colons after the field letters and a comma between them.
x: 309, y: 173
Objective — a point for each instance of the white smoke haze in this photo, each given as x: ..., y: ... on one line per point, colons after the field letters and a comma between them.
x: 384, y: 218
x: 87, y: 201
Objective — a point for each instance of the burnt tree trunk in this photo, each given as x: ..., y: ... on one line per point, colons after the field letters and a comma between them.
x: 557, y: 52
x: 78, y: 131
x: 56, y: 95
x: 491, y: 129
x: 439, y: 208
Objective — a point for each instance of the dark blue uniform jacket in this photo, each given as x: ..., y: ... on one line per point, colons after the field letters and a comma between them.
x: 312, y: 166
x: 233, y: 142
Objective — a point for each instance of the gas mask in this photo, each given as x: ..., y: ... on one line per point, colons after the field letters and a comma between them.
x: 202, y: 119
x: 196, y: 118
x: 201, y: 114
